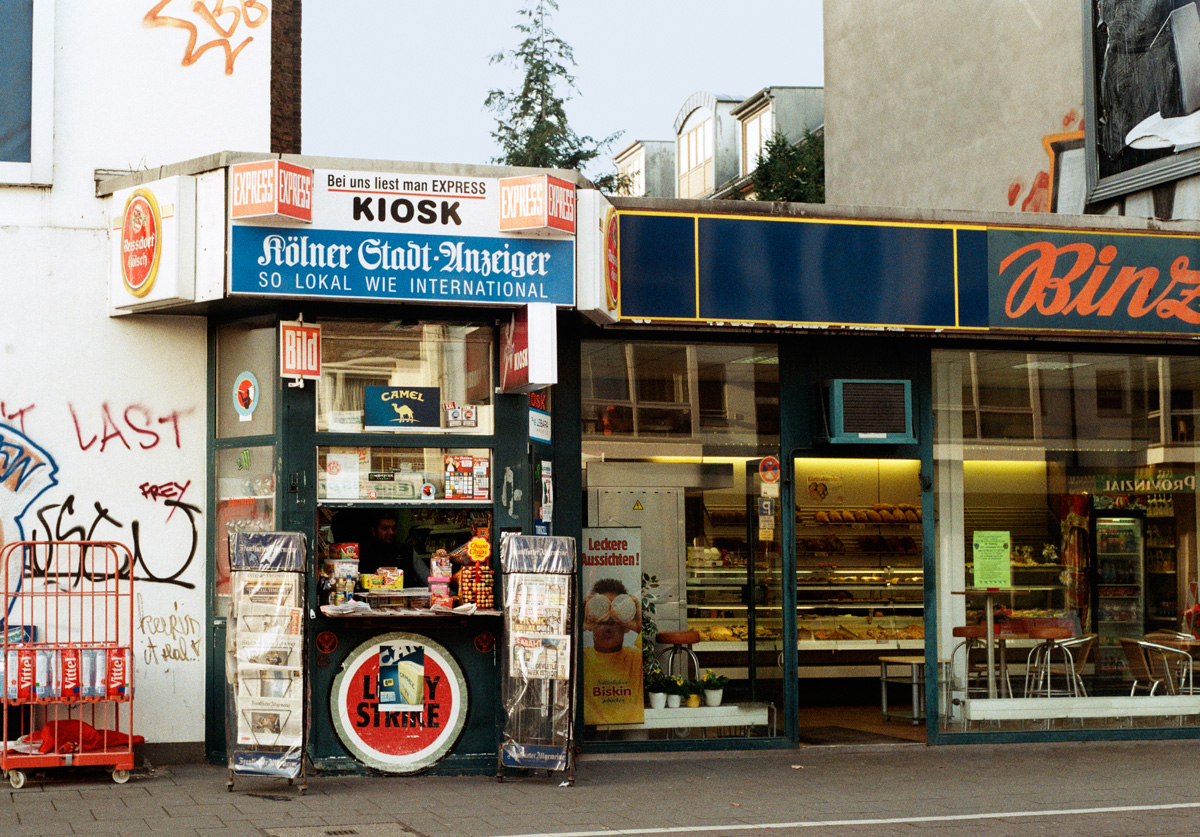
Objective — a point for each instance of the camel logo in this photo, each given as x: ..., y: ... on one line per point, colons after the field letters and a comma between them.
x: 402, y: 408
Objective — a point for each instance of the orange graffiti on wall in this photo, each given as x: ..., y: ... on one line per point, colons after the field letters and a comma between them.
x: 1039, y: 197
x: 221, y: 19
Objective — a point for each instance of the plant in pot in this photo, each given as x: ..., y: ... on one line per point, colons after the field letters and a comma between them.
x: 714, y: 687
x: 693, y: 690
x: 676, y: 690
x: 656, y: 685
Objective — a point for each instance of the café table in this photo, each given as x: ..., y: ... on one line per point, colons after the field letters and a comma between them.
x: 992, y: 637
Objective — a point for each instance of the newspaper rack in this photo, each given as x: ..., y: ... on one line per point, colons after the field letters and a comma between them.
x: 67, y: 657
x: 266, y: 690
x: 537, y: 684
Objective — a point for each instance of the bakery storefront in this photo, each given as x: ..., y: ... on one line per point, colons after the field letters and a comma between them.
x: 960, y: 457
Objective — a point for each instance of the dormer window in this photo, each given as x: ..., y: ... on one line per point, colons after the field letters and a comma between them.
x: 756, y: 131
x: 694, y: 151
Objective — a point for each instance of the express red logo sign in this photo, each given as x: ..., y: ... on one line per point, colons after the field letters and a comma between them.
x: 405, y: 728
x: 141, y: 242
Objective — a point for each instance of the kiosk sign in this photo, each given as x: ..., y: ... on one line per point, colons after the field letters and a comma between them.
x: 400, y: 702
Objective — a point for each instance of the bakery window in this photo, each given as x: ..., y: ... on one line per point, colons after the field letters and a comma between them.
x: 1066, y: 507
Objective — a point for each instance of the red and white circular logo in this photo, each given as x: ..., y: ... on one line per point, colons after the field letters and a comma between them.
x: 141, y: 242
x: 611, y: 261
x: 399, y: 703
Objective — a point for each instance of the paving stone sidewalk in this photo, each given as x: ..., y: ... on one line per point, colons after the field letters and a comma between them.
x: 1104, y: 788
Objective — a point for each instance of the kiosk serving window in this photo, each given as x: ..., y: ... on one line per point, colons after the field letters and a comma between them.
x: 410, y: 378
x: 1066, y: 499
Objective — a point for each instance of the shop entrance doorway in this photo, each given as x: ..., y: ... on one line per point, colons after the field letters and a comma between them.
x: 859, y: 599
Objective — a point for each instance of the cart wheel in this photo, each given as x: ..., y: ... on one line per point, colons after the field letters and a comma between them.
x: 303, y: 790
x: 229, y: 786
x: 16, y: 778
x: 120, y: 776
x: 290, y: 782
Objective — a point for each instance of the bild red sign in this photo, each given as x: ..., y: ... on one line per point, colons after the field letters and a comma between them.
x: 399, y: 703
x: 299, y: 350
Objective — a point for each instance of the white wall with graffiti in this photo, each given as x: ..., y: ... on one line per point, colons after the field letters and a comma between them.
x: 102, y: 420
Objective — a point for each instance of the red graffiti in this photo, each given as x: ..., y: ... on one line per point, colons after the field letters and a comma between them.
x: 1039, y: 287
x: 137, y: 423
x: 19, y: 415
x: 166, y: 490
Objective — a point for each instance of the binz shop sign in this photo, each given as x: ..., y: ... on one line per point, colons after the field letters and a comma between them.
x: 1093, y: 282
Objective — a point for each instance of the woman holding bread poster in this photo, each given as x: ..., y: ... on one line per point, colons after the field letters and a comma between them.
x: 612, y: 626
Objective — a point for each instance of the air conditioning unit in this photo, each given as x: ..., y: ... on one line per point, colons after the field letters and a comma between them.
x: 870, y: 412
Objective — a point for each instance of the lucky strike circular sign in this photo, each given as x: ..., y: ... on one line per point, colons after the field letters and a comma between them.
x: 141, y: 242
x: 399, y: 703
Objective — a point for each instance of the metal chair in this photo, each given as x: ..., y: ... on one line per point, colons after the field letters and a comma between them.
x: 1152, y: 665
x: 1080, y: 649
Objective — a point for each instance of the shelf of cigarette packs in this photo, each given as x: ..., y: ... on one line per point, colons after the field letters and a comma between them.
x: 67, y: 657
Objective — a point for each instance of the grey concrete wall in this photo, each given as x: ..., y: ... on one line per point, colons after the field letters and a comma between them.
x: 944, y: 105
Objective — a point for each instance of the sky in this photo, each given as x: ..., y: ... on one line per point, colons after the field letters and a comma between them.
x: 406, y: 80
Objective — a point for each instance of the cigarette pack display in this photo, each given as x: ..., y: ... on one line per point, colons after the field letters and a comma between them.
x: 70, y: 684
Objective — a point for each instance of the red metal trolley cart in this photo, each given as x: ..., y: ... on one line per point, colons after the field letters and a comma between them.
x: 67, y: 657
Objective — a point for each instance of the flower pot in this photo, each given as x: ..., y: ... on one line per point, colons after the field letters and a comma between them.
x: 658, y: 700
x: 672, y: 701
x: 693, y: 700
x: 712, y: 697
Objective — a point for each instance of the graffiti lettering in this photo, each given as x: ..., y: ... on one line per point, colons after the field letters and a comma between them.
x: 171, y: 638
x: 137, y: 419
x: 166, y: 490
x: 58, y: 527
x: 250, y: 12
x: 1038, y: 286
x: 20, y: 462
x: 19, y: 415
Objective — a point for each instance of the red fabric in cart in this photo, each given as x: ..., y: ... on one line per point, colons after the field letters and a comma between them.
x: 76, y: 737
